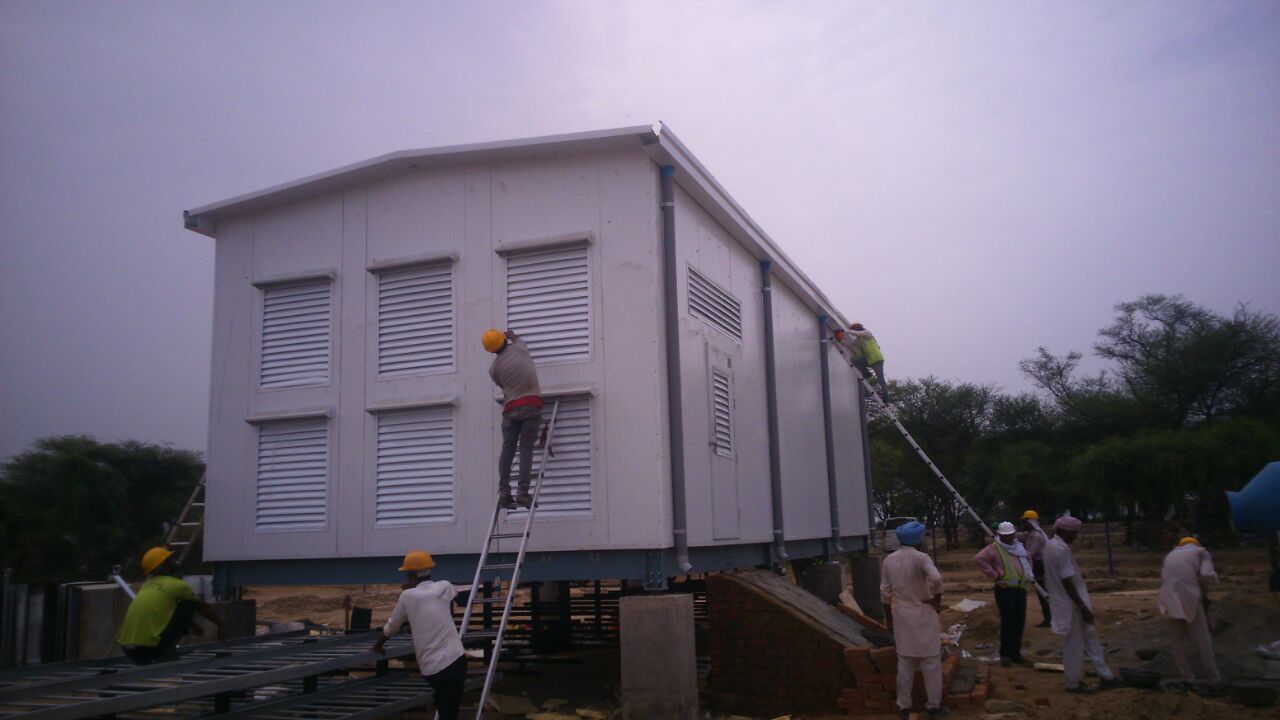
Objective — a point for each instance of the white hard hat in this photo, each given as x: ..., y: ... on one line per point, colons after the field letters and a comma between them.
x: 1005, y: 528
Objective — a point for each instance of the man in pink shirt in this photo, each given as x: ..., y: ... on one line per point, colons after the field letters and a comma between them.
x: 1184, y: 600
x: 1005, y: 561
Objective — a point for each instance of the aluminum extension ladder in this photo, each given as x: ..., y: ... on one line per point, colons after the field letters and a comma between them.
x: 483, y: 565
x: 190, y: 519
x: 892, y: 413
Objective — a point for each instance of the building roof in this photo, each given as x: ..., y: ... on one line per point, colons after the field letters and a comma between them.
x: 657, y: 141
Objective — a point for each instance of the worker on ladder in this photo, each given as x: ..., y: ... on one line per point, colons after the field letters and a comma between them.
x: 513, y: 371
x: 426, y: 606
x: 866, y: 354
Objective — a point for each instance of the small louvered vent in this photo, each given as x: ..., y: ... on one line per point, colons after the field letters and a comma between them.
x: 566, y: 489
x: 296, y: 328
x: 549, y: 303
x: 722, y: 414
x: 415, y: 467
x: 293, y: 475
x: 718, y: 308
x: 415, y: 320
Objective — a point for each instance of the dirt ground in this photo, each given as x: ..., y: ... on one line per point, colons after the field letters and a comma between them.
x: 1244, y: 616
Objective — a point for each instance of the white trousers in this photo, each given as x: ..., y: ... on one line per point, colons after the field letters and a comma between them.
x: 931, y: 669
x: 1197, y: 631
x: 1081, y: 641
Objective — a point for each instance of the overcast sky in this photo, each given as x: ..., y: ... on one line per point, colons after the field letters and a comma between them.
x: 971, y: 180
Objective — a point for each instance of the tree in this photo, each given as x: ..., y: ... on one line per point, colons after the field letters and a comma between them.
x: 71, y: 507
x: 1190, y: 364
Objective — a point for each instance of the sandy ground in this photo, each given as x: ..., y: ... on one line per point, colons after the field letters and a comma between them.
x: 1244, y: 616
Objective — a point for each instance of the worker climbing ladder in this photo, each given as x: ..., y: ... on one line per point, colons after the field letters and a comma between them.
x: 186, y: 529
x: 483, y: 565
x: 892, y: 413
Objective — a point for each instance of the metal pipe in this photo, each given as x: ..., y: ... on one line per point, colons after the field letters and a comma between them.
x: 675, y: 408
x: 771, y: 398
x: 866, y: 464
x: 824, y: 347
x: 115, y: 576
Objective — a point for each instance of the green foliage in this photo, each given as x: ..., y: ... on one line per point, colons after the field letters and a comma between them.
x: 1192, y: 406
x: 71, y: 507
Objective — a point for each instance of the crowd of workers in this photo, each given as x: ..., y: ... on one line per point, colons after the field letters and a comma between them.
x: 911, y: 590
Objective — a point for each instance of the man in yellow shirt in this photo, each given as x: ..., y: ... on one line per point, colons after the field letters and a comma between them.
x: 866, y: 355
x: 162, y: 612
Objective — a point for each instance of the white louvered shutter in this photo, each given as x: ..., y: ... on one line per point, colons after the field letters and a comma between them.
x: 293, y: 475
x: 549, y: 303
x: 566, y: 488
x: 722, y: 413
x: 714, y: 305
x: 414, y: 483
x: 415, y: 320
x: 296, y: 329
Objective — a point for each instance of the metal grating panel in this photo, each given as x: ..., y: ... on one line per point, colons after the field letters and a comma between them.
x: 414, y: 483
x: 722, y: 414
x: 566, y: 488
x: 293, y: 475
x: 415, y: 320
x: 549, y: 303
x: 296, y: 327
x: 716, y: 306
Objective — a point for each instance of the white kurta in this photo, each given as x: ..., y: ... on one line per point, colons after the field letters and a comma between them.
x: 1060, y: 568
x: 908, y: 579
x: 1186, y: 571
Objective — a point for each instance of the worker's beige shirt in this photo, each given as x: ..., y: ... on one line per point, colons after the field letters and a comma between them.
x: 426, y: 607
x: 1059, y: 569
x: 1187, y: 572
x: 908, y: 579
x: 513, y: 371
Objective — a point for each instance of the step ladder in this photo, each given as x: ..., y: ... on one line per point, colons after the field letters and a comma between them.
x: 483, y: 566
x: 186, y: 529
x: 892, y: 413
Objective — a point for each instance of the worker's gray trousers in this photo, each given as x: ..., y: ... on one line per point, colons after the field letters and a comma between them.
x: 519, y: 428
x: 879, y: 368
x: 1081, y: 641
x: 1197, y: 631
x: 930, y: 671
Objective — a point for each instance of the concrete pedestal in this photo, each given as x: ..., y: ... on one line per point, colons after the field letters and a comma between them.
x: 866, y: 583
x: 659, y: 667
x: 825, y: 581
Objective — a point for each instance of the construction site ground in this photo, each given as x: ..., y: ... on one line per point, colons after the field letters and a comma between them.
x: 1244, y: 616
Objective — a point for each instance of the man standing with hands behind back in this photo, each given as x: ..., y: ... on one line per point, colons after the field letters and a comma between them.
x: 911, y: 590
x: 1072, y: 611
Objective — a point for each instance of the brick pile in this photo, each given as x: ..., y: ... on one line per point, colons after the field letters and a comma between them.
x: 775, y: 648
x: 875, y: 683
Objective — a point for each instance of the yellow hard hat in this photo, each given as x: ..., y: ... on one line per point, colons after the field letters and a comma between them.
x: 1188, y: 541
x: 152, y: 558
x: 418, y: 560
x: 493, y: 339
x: 1031, y: 515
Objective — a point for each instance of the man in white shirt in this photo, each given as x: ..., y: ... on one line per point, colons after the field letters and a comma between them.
x: 1072, y: 611
x: 911, y: 590
x: 427, y: 607
x: 1184, y: 600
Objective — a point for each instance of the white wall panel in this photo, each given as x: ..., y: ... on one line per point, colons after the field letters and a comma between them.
x: 804, y: 466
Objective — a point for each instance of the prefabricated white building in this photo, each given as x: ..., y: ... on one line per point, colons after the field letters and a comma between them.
x: 352, y: 414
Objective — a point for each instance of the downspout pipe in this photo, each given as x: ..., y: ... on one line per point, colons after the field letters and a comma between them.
x: 824, y: 347
x: 675, y: 408
x: 866, y: 463
x: 771, y: 399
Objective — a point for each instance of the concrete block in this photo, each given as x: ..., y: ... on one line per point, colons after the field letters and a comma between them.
x: 825, y: 581
x: 659, y: 666
x: 866, y: 583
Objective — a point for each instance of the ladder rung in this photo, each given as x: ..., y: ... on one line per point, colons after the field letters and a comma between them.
x: 501, y: 566
x: 489, y: 600
x: 188, y: 524
x: 180, y: 543
x: 199, y: 504
x: 501, y: 536
x: 480, y: 635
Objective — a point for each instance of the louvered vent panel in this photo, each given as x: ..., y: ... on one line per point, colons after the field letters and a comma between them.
x: 718, y: 308
x: 293, y: 475
x: 415, y: 467
x: 296, y: 328
x: 566, y: 489
x: 415, y: 320
x: 549, y: 303
x: 722, y: 412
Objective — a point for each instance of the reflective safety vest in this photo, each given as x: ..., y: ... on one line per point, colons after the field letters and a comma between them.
x: 871, y: 350
x: 1013, y: 575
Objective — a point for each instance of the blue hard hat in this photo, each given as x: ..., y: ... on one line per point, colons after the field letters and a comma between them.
x: 911, y: 533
